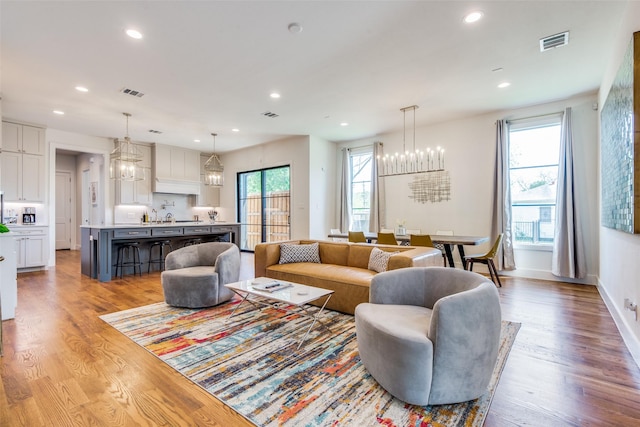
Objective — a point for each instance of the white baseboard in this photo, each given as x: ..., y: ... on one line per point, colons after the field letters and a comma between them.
x: 591, y: 279
x: 629, y: 338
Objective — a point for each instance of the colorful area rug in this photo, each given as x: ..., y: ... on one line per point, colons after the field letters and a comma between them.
x: 250, y: 363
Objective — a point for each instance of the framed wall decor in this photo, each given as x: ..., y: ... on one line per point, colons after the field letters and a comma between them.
x: 620, y: 145
x: 93, y: 192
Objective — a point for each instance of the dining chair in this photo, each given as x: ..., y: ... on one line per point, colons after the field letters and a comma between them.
x: 488, y: 260
x: 357, y: 237
x: 387, y: 239
x: 440, y: 245
x: 420, y: 240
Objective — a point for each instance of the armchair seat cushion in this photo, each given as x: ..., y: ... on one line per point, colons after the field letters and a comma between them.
x: 195, y: 275
x: 394, y: 347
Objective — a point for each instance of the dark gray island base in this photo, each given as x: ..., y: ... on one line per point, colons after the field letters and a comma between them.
x: 100, y: 243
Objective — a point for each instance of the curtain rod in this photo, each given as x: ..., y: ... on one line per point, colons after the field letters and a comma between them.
x: 558, y: 113
x: 361, y: 146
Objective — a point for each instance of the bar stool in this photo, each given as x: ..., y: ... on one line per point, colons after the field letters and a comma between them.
x: 161, y: 245
x: 128, y: 256
x: 194, y: 241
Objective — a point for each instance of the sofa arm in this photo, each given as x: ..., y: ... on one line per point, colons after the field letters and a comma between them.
x: 267, y: 254
x: 416, y: 257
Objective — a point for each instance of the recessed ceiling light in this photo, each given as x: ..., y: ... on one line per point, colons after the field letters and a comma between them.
x: 235, y: 130
x: 344, y: 124
x: 473, y: 17
x: 295, y: 28
x: 504, y: 84
x: 134, y: 34
x: 82, y: 89
x: 275, y: 95
x: 196, y: 140
x: 58, y: 112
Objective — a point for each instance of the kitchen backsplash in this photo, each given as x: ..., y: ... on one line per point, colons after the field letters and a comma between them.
x: 180, y: 206
x: 16, y: 213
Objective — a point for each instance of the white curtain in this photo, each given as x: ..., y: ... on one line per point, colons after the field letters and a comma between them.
x: 377, y: 212
x: 568, y: 258
x: 345, y: 192
x: 501, y: 222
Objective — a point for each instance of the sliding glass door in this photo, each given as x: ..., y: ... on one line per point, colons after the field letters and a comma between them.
x: 264, y: 206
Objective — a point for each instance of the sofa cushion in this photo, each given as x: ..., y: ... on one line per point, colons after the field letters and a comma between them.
x: 379, y: 259
x: 299, y: 253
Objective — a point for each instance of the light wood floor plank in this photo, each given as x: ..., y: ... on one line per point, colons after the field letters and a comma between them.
x: 65, y: 366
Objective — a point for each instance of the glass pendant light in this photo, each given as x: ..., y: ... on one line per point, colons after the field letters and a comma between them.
x: 124, y: 160
x: 213, y: 168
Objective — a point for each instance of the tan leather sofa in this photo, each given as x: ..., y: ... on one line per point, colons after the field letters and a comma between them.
x: 343, y: 268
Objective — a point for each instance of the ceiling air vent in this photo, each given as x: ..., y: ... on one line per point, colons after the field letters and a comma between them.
x: 155, y: 131
x: 270, y: 114
x: 132, y: 92
x: 554, y: 41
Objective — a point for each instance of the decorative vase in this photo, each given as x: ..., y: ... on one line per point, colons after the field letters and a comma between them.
x: 401, y: 230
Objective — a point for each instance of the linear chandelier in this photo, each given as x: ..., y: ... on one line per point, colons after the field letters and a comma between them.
x: 124, y: 160
x: 414, y: 161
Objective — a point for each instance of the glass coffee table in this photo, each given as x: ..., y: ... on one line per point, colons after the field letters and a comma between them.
x: 294, y: 294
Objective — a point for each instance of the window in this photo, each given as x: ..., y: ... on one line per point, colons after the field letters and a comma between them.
x: 264, y: 206
x: 534, y: 150
x: 360, y: 161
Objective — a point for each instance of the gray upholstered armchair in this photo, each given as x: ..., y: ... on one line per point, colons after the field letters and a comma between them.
x: 430, y: 335
x: 195, y: 275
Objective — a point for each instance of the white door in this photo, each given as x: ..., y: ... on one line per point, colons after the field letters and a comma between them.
x: 63, y: 210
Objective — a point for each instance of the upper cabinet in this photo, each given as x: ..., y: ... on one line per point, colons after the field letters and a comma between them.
x: 176, y: 163
x: 176, y: 170
x: 22, y: 163
x: 137, y: 192
x: 17, y: 138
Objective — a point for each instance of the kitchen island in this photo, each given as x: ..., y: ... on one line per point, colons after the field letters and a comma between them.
x: 100, y: 242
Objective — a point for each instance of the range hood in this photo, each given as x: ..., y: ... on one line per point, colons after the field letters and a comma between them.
x: 175, y: 186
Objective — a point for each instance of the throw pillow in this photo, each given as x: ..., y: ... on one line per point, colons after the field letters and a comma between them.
x: 379, y: 259
x: 299, y: 253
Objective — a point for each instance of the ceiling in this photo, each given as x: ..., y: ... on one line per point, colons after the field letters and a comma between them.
x: 210, y: 66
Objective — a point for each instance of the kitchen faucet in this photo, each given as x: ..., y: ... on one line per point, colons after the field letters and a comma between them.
x: 168, y: 217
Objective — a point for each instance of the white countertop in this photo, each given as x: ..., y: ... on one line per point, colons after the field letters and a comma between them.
x: 167, y: 224
x: 12, y: 226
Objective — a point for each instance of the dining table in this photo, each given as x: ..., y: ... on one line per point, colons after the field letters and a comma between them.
x: 448, y: 242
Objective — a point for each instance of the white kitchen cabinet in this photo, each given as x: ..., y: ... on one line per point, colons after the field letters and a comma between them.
x: 176, y: 163
x: 18, y: 138
x: 22, y: 162
x: 31, y: 246
x: 137, y: 192
x: 22, y: 177
x: 209, y: 196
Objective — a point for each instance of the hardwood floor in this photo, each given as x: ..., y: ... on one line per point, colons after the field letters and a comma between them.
x: 63, y: 366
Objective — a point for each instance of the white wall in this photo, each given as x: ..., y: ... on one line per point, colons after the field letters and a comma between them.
x: 292, y: 151
x: 620, y: 252
x: 322, y: 181
x: 470, y: 159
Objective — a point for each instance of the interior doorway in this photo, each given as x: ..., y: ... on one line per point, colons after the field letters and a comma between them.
x: 64, y: 209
